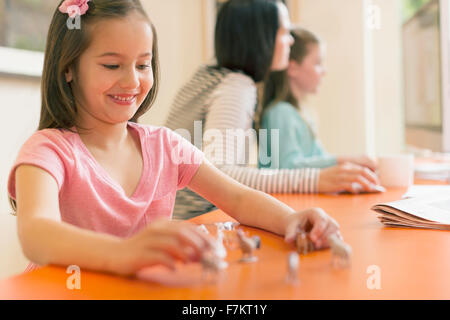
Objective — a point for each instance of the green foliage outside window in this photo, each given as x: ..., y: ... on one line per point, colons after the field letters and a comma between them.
x: 410, y: 7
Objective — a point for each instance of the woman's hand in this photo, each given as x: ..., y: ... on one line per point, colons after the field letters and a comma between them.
x: 348, y: 177
x: 314, y: 221
x: 364, y: 161
x: 162, y: 242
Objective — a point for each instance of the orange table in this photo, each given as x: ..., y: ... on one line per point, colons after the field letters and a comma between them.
x: 413, y: 264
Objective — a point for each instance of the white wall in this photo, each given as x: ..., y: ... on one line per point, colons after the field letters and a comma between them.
x: 179, y: 24
x: 19, y: 116
x: 388, y: 75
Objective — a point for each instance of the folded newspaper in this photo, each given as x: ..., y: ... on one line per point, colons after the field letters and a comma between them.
x: 430, y: 212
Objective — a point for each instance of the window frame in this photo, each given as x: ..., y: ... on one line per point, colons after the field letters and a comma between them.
x: 23, y: 63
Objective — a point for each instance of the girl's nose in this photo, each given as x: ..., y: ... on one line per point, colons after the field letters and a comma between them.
x: 130, y: 79
x: 291, y: 40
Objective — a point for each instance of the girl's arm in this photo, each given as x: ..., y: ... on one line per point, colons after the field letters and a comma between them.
x: 258, y: 209
x: 45, y: 239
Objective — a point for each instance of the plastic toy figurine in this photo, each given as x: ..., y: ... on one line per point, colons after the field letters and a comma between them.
x: 304, y: 244
x: 341, y: 252
x: 293, y: 264
x: 219, y: 225
x: 212, y: 264
x: 221, y: 251
x: 230, y: 226
x: 248, y: 246
x: 203, y: 228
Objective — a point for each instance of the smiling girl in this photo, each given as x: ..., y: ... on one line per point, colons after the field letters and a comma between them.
x: 94, y: 188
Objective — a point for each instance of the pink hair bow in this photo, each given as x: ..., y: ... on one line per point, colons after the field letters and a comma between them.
x: 74, y: 7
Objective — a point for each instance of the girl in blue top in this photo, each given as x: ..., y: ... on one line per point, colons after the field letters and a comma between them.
x: 298, y: 145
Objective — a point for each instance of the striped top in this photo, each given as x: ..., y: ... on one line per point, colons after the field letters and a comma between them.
x: 215, y: 111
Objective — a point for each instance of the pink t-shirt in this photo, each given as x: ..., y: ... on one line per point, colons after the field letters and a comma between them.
x: 90, y: 199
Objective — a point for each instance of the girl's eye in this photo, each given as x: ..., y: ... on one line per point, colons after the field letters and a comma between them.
x: 114, y: 67
x: 110, y: 66
x: 144, y: 66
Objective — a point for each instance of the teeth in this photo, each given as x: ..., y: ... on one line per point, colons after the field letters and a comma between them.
x: 123, y: 99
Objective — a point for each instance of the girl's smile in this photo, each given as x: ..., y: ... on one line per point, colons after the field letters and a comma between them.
x: 124, y: 100
x: 114, y: 74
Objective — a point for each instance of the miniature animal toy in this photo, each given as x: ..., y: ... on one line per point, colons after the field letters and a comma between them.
x: 341, y: 252
x: 248, y: 246
x: 203, y: 228
x: 221, y: 251
x: 293, y: 263
x: 229, y: 226
x: 303, y: 243
x: 212, y: 264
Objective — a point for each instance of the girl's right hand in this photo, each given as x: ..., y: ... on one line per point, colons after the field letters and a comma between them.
x: 163, y: 242
x: 345, y: 177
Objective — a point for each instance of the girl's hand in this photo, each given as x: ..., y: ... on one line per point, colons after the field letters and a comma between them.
x: 345, y: 177
x: 163, y: 242
x: 314, y: 221
x: 364, y: 161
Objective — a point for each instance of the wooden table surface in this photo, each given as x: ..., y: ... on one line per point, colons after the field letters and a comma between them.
x: 412, y: 264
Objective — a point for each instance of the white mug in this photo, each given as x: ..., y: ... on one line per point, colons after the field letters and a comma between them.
x: 396, y: 170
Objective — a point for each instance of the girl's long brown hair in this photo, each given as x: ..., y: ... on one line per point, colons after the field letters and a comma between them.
x: 63, y: 50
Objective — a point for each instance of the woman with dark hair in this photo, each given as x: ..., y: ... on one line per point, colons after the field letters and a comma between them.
x: 218, y: 104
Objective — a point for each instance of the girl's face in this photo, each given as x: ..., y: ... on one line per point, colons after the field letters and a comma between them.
x: 306, y: 76
x: 283, y: 41
x: 114, y: 74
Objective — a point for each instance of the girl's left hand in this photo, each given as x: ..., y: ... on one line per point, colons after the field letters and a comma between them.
x: 314, y: 221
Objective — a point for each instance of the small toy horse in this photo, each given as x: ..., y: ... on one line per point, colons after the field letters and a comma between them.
x: 212, y: 264
x: 248, y: 246
x: 293, y: 264
x: 341, y: 252
x: 304, y: 244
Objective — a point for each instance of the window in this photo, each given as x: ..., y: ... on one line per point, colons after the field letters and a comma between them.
x: 24, y: 23
x: 422, y: 66
x: 23, y: 31
x: 411, y: 7
x: 426, y: 38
